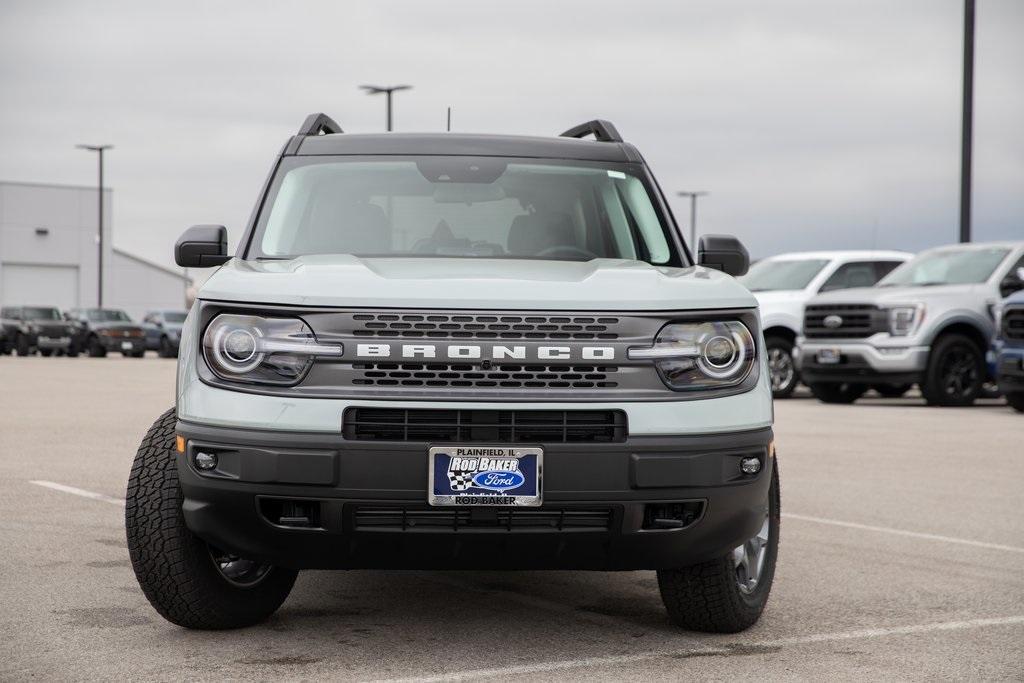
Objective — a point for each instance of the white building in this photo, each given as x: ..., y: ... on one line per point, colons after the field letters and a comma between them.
x: 49, y: 254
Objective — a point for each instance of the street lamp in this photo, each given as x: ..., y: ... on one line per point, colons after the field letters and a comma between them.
x: 99, y: 269
x: 693, y: 214
x: 387, y: 90
x: 966, y: 121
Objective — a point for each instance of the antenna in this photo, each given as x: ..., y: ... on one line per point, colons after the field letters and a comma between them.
x: 449, y: 119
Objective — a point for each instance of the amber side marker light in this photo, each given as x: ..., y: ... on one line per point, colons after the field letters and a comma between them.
x: 179, y: 443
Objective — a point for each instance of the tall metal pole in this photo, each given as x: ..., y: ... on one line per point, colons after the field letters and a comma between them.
x: 967, y: 123
x: 387, y: 90
x: 693, y: 214
x: 100, y: 149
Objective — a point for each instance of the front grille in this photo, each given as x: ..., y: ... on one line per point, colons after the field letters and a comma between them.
x: 857, y: 321
x: 497, y: 426
x: 413, y: 518
x: 500, y: 376
x: 1013, y: 324
x: 479, y: 326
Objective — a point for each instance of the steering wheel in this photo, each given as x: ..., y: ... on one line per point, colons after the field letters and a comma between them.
x: 566, y: 249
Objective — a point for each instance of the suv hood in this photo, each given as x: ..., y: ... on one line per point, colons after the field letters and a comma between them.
x: 893, y: 295
x: 599, y: 285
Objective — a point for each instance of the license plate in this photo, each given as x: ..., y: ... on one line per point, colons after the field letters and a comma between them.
x: 829, y: 356
x: 485, y: 475
x: 126, y: 346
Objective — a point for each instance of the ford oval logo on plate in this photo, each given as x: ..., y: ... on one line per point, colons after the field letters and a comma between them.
x: 499, y: 480
x: 832, y: 321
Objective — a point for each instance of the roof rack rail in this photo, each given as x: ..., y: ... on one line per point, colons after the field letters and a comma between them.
x: 603, y: 131
x: 319, y: 124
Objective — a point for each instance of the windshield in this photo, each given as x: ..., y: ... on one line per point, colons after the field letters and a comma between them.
x: 103, y: 315
x: 466, y: 207
x: 174, y: 317
x: 773, y: 275
x: 947, y: 267
x: 29, y: 313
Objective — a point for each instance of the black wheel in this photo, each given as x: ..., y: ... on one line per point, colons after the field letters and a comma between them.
x: 837, y: 392
x: 189, y: 582
x: 166, y: 350
x: 1016, y: 401
x: 73, y: 350
x: 727, y: 595
x: 891, y: 390
x: 21, y: 346
x: 45, y: 353
x: 955, y: 372
x: 784, y: 376
x: 95, y: 348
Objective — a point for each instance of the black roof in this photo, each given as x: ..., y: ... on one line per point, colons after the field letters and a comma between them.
x: 415, y: 144
x: 321, y: 135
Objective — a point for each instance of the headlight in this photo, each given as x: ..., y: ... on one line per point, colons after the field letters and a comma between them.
x: 247, y: 348
x: 904, y: 320
x: 702, y: 355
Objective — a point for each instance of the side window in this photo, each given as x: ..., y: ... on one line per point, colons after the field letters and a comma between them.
x: 1013, y: 281
x: 883, y: 268
x: 854, y: 274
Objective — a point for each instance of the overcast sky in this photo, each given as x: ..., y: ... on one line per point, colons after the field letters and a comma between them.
x: 813, y: 124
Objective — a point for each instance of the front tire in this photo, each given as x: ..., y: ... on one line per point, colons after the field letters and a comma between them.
x: 784, y: 376
x: 1016, y: 401
x: 837, y: 392
x: 95, y: 348
x: 166, y: 350
x: 955, y: 372
x: 727, y: 595
x: 21, y: 345
x: 189, y: 582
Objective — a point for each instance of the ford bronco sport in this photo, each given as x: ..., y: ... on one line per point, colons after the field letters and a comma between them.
x: 443, y: 351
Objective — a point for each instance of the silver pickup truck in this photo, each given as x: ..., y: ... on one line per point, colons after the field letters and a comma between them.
x: 929, y: 323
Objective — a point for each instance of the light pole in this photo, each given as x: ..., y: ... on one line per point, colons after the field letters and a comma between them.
x: 693, y: 214
x: 99, y: 269
x: 387, y: 90
x: 967, y: 116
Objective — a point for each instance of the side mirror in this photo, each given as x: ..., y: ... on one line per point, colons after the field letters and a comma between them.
x: 1013, y: 282
x: 202, y: 246
x: 724, y: 253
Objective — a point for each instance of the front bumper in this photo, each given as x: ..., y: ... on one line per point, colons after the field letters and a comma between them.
x: 1010, y: 370
x: 861, y: 362
x: 345, y: 481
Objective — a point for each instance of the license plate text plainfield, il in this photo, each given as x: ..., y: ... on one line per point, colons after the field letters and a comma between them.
x: 485, y: 475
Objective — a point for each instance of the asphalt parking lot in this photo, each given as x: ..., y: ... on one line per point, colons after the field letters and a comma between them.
x: 901, y: 547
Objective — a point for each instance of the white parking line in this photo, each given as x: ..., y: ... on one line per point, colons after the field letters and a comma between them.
x: 752, y: 647
x: 903, y: 532
x: 79, y: 492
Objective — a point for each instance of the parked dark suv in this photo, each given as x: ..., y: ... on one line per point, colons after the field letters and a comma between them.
x: 163, y: 330
x: 100, y: 330
x: 27, y: 329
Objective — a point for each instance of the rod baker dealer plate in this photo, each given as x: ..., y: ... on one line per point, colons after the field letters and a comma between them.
x: 485, y: 475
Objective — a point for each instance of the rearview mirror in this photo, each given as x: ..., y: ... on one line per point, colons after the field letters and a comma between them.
x: 202, y: 246
x: 724, y: 253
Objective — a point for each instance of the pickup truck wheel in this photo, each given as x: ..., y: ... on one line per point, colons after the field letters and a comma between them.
x: 780, y: 363
x: 21, y: 345
x: 73, y: 350
x: 1016, y: 401
x: 837, y: 392
x: 95, y: 348
x: 729, y: 594
x: 955, y: 372
x: 166, y: 350
x: 189, y: 582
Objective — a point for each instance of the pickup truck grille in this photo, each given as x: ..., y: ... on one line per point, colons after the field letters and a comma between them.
x: 500, y: 376
x: 1013, y: 324
x: 481, y: 326
x: 856, y: 321
x: 497, y: 426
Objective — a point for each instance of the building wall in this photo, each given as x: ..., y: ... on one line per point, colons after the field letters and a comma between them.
x: 49, y: 254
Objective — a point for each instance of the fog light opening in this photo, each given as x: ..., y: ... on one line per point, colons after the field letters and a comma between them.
x: 205, y: 461
x: 750, y: 465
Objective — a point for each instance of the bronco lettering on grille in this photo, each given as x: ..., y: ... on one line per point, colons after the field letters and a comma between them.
x: 489, y: 351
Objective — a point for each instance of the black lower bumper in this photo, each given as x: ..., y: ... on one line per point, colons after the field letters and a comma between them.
x: 1010, y: 373
x: 363, y: 503
x: 852, y: 368
x: 135, y: 344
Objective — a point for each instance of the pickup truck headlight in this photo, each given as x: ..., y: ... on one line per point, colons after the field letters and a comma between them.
x: 258, y: 350
x: 904, y: 320
x: 701, y: 355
